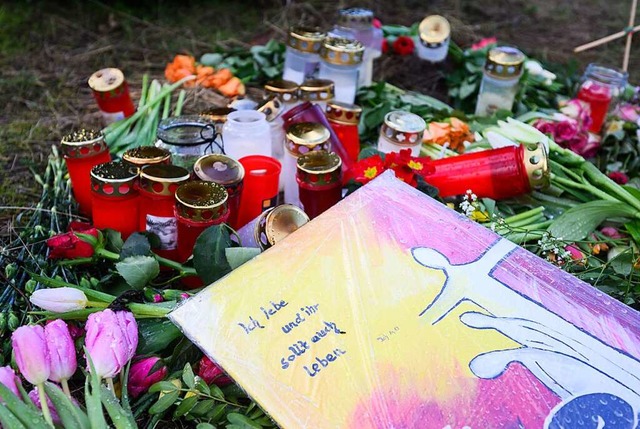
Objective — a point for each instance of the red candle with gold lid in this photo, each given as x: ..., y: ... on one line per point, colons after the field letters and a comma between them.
x: 158, y: 185
x: 320, y: 181
x: 111, y: 92
x: 114, y: 197
x: 199, y: 205
x: 146, y: 155
x: 344, y: 119
x: 82, y: 150
x: 225, y: 171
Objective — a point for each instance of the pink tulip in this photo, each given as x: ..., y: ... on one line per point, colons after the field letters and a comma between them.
x: 212, y: 373
x: 30, y: 351
x: 62, y: 352
x: 576, y: 254
x: 611, y: 232
x: 111, y: 341
x: 140, y: 377
x: 9, y: 380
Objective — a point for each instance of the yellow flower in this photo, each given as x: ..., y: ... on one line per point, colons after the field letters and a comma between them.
x: 415, y: 165
x: 479, y: 216
x: 371, y: 172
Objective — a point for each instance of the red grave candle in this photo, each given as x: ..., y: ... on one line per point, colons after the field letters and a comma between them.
x: 114, y: 197
x: 146, y: 155
x: 158, y: 185
x: 498, y: 173
x: 600, y: 87
x: 112, y: 94
x: 227, y: 172
x: 344, y: 119
x: 319, y: 181
x: 82, y: 150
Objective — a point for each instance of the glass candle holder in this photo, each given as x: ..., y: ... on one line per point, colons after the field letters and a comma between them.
x: 320, y: 181
x: 82, y: 150
x: 260, y: 186
x: 309, y: 112
x: 187, y: 138
x: 497, y: 173
x: 301, y: 57
x: 401, y: 130
x: 158, y: 185
x: 217, y: 116
x: 433, y: 39
x: 114, y: 197
x: 285, y: 90
x: 272, y: 109
x: 227, y: 172
x: 318, y: 91
x: 272, y: 226
x: 111, y: 93
x: 499, y: 86
x: 302, y: 138
x: 245, y: 133
x: 146, y: 155
x: 344, y: 119
x: 357, y: 24
x: 600, y: 88
x: 199, y: 205
x: 340, y: 62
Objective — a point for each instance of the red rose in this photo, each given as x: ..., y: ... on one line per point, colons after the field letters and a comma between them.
x: 385, y: 46
x: 619, y: 177
x: 211, y: 373
x: 403, y: 45
x: 69, y: 246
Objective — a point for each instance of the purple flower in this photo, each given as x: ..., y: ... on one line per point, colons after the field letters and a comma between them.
x: 9, y: 380
x: 111, y: 341
x: 565, y: 131
x: 545, y: 127
x: 629, y: 112
x: 140, y: 377
x: 30, y: 351
x: 62, y: 352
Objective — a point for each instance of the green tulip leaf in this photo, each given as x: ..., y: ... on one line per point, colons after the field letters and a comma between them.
x: 578, y: 222
x: 9, y: 420
x: 120, y: 418
x: 155, y: 335
x: 70, y: 415
x: 25, y: 414
x: 237, y: 256
x: 137, y: 271
x: 92, y: 395
x: 209, y: 258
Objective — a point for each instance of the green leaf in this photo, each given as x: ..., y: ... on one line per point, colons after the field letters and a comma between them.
x: 185, y: 406
x: 155, y: 335
x: 216, y: 392
x: 211, y: 60
x: 70, y: 414
x: 578, y: 222
x: 185, y: 351
x: 163, y: 386
x: 137, y: 271
x: 202, y: 407
x: 623, y: 263
x: 188, y: 377
x: 25, y: 414
x: 113, y: 240
x: 633, y: 228
x: 205, y: 426
x: 209, y: 258
x: 93, y: 241
x: 136, y: 245
x: 163, y: 403
x: 242, y: 421
x: 202, y: 387
x: 9, y: 420
x: 120, y: 418
x: 237, y: 256
x: 216, y: 413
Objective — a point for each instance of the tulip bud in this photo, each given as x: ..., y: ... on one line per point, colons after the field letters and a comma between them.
x: 8, y: 379
x: 111, y: 340
x: 62, y: 352
x: 59, y: 300
x: 212, y: 373
x: 140, y: 377
x: 31, y: 354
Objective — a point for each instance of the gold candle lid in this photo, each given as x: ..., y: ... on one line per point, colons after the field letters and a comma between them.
x: 536, y: 164
x: 403, y: 128
x: 146, y: 155
x: 201, y: 201
x: 277, y: 223
x: 355, y: 16
x: 434, y: 31
x: 504, y: 62
x: 304, y: 137
x: 114, y: 179
x: 305, y: 39
x: 271, y: 107
x: 162, y: 179
x: 319, y: 168
x: 285, y: 89
x: 343, y: 113
x: 217, y: 114
x: 220, y: 169
x: 317, y: 90
x: 341, y: 51
x: 83, y: 144
x: 106, y: 80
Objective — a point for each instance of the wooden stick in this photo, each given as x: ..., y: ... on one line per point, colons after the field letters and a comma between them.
x: 604, y: 40
x: 627, y: 48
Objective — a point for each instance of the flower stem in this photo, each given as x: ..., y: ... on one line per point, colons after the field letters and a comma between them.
x: 591, y: 189
x: 97, y: 304
x: 107, y: 254
x: 65, y: 387
x: 176, y: 266
x: 110, y: 385
x: 148, y: 310
x: 43, y: 404
x: 524, y: 215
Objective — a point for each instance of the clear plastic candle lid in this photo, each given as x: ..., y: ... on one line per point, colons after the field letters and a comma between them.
x: 355, y: 17
x: 187, y: 130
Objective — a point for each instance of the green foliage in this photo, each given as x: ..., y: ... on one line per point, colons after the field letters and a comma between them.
x: 209, y: 257
x: 138, y: 270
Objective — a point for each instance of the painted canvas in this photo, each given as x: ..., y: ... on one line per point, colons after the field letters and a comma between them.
x: 392, y: 311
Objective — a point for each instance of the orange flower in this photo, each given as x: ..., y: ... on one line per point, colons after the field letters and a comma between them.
x: 233, y: 87
x: 454, y: 132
